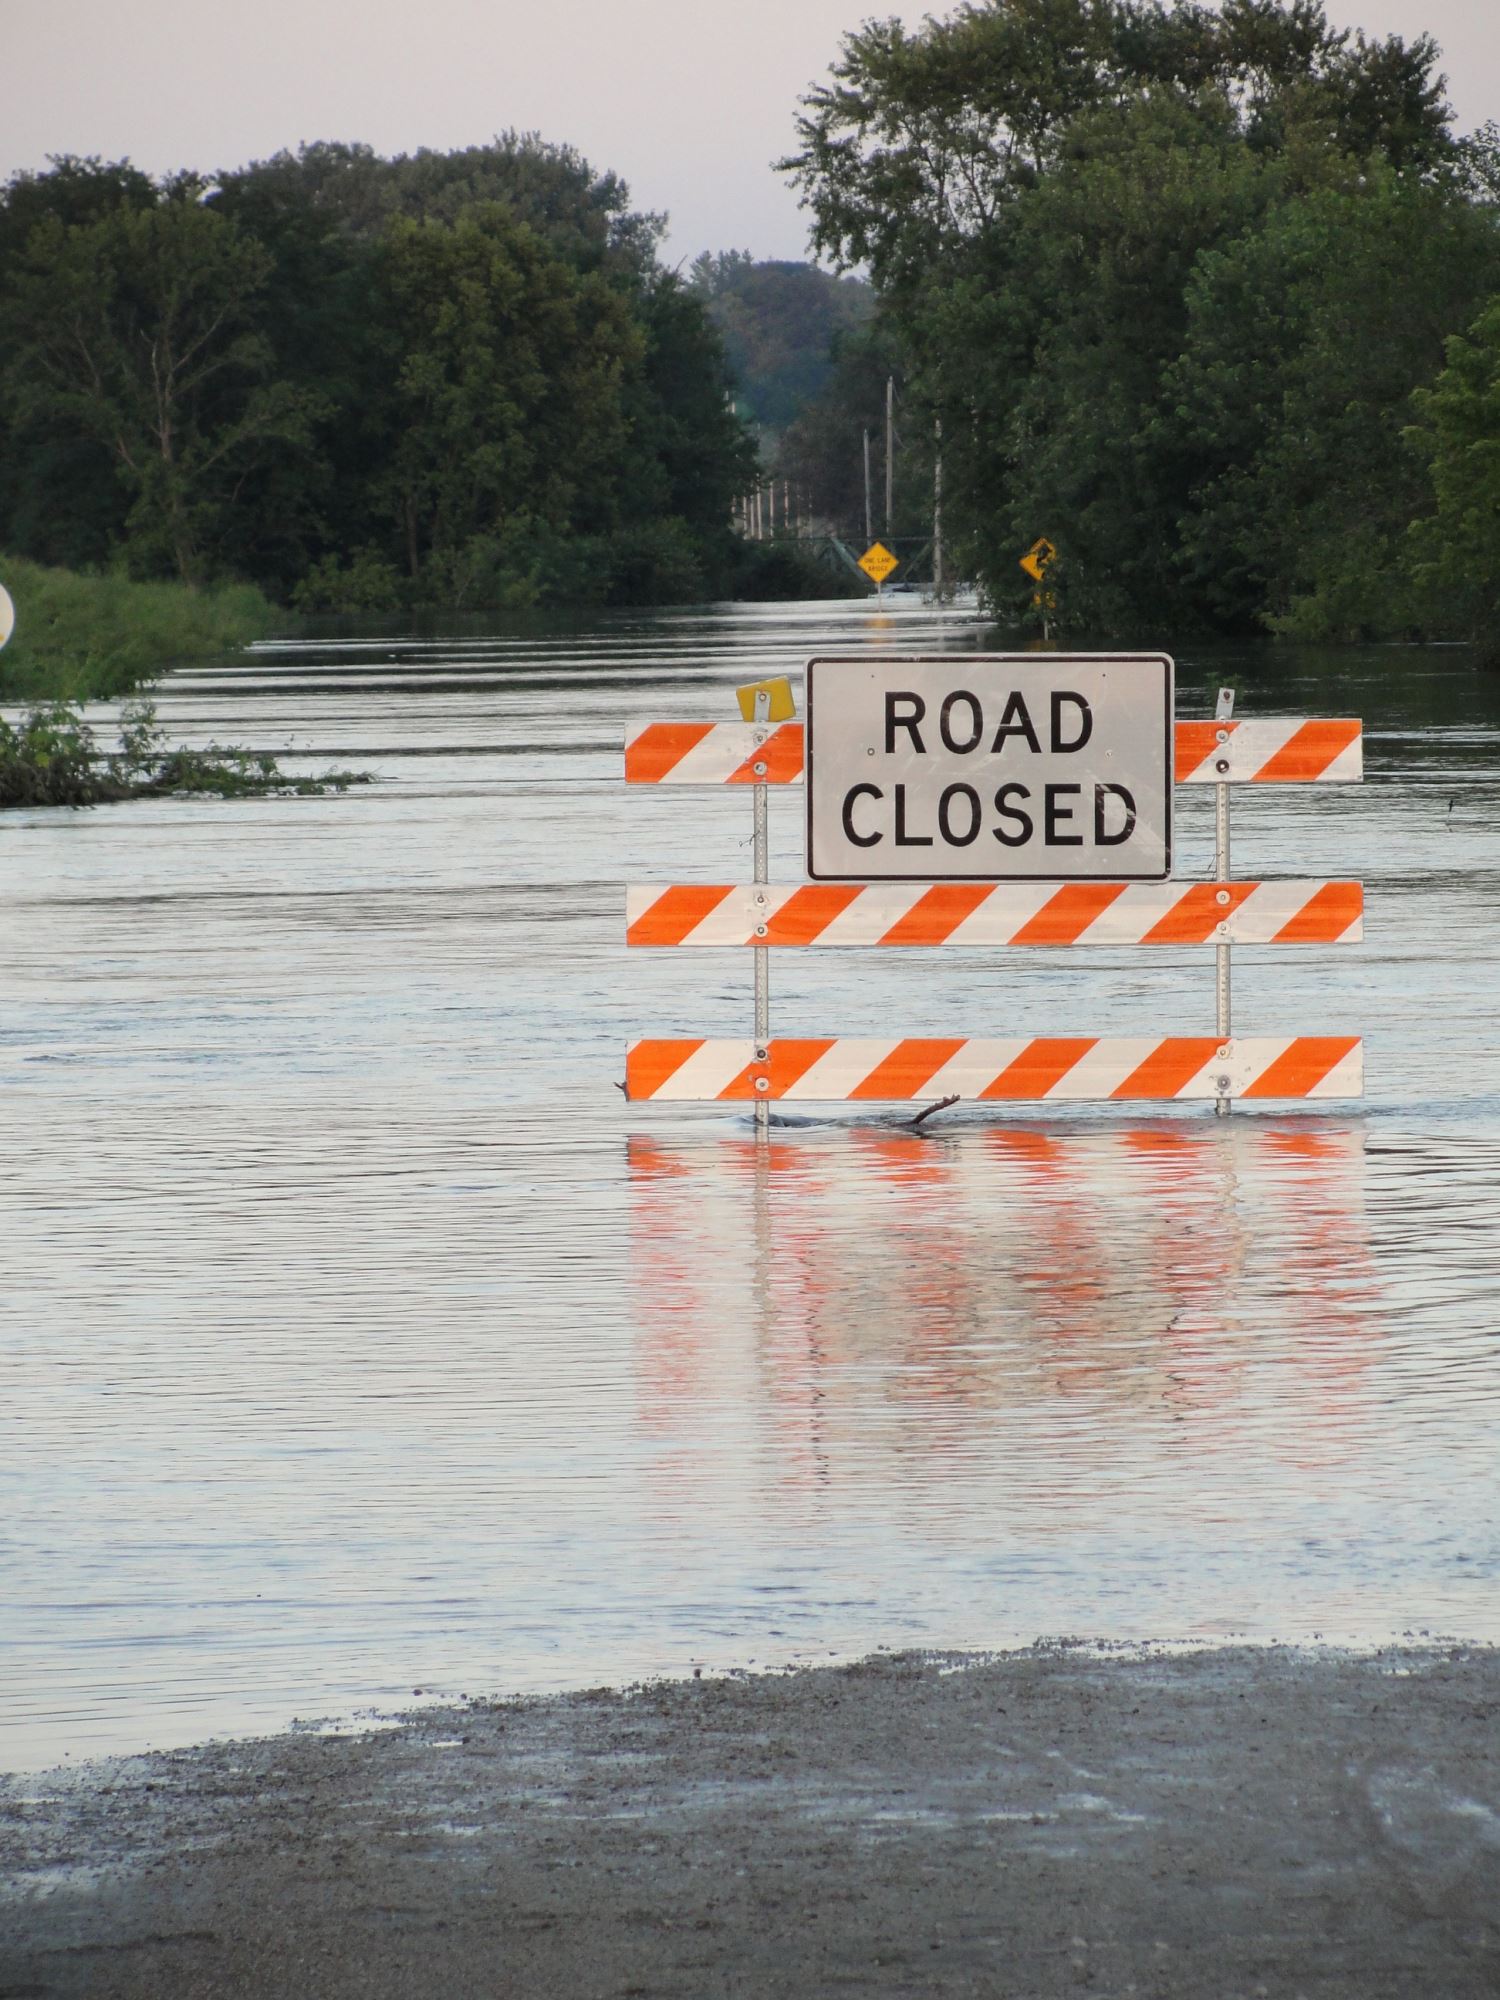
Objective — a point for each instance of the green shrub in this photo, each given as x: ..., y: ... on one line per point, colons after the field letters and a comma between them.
x: 48, y: 759
x: 83, y: 638
x: 366, y: 583
x: 52, y: 758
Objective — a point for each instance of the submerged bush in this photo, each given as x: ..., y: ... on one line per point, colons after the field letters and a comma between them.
x: 52, y: 758
x: 48, y: 759
x: 365, y: 583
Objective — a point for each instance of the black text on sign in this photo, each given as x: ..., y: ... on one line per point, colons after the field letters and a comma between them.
x: 990, y: 768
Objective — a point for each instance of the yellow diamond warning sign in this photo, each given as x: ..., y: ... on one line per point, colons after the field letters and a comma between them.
x: 1038, y: 556
x: 877, y: 562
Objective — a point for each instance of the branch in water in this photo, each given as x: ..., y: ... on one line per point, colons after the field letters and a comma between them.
x: 943, y: 1104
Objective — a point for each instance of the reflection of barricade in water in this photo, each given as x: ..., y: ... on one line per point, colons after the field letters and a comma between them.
x: 868, y: 1291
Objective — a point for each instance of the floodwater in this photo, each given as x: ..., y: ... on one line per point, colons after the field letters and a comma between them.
x: 359, y: 1338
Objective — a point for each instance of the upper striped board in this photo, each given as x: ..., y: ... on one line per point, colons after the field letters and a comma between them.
x: 985, y: 913
x: 1256, y: 751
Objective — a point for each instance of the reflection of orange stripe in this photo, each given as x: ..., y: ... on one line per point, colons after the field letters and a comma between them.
x: 781, y: 753
x: 1064, y: 918
x: 1040, y: 1064
x: 791, y: 1060
x: 1169, y: 1066
x: 1193, y: 916
x: 1309, y: 752
x: 807, y: 914
x: 907, y: 1068
x: 1175, y: 1145
x: 659, y: 748
x: 1193, y: 742
x: 938, y: 912
x: 1035, y: 1148
x: 675, y: 913
x: 1305, y: 1064
x: 1319, y: 1146
x: 1326, y: 917
x: 903, y: 1161
x: 648, y: 1065
x: 650, y: 1161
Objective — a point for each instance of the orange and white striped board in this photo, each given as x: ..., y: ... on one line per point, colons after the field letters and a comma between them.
x: 1051, y: 1068
x: 1256, y: 751
x: 996, y: 913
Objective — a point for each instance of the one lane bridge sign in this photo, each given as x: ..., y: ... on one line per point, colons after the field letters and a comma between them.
x: 877, y: 562
x: 990, y: 768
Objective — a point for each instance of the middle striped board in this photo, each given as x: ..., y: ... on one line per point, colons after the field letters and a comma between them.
x: 995, y: 913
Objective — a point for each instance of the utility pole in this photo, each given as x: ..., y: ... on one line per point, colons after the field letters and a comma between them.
x: 869, y: 517
x: 890, y: 440
x: 937, y: 514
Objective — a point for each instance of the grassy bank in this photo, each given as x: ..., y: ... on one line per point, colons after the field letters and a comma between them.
x: 87, y: 638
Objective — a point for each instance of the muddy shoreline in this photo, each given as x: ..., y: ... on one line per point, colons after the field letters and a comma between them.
x: 1239, y: 1822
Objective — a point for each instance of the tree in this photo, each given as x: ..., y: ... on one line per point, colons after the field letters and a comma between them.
x: 505, y: 409
x: 331, y: 369
x: 689, y: 456
x: 1035, y: 186
x: 1307, y: 337
x: 1085, y: 319
x: 778, y: 322
x: 59, y: 499
x: 1455, y: 552
x: 136, y: 331
x: 923, y: 140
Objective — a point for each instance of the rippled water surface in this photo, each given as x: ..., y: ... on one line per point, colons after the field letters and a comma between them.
x: 357, y: 1337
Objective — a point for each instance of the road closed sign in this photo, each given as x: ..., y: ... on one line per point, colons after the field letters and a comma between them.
x: 990, y: 768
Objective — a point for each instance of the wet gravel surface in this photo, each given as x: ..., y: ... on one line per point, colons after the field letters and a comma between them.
x: 1239, y: 1822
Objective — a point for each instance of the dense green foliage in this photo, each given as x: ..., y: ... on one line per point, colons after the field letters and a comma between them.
x: 1206, y: 295
x: 360, y: 383
x: 91, y: 637
x: 51, y: 757
x: 1453, y: 549
x: 780, y: 324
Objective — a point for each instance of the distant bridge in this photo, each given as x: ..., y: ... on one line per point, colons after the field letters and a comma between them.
x: 914, y: 551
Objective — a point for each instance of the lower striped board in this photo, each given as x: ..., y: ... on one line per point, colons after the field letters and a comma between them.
x: 849, y: 1068
x: 987, y: 913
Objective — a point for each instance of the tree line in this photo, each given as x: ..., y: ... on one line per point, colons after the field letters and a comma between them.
x: 460, y: 379
x: 1209, y: 296
x: 782, y: 324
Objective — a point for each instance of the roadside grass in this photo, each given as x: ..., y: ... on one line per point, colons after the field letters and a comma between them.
x: 95, y: 638
x: 92, y: 638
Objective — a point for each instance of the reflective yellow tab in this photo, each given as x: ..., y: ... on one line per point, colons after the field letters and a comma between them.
x: 778, y: 694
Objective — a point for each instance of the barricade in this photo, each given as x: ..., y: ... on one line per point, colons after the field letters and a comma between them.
x: 1004, y: 914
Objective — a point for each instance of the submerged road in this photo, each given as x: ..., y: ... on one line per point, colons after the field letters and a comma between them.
x: 1255, y: 1822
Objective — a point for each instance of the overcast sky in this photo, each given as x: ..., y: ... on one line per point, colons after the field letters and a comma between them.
x: 689, y: 99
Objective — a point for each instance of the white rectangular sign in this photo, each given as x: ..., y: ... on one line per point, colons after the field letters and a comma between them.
x: 990, y: 767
